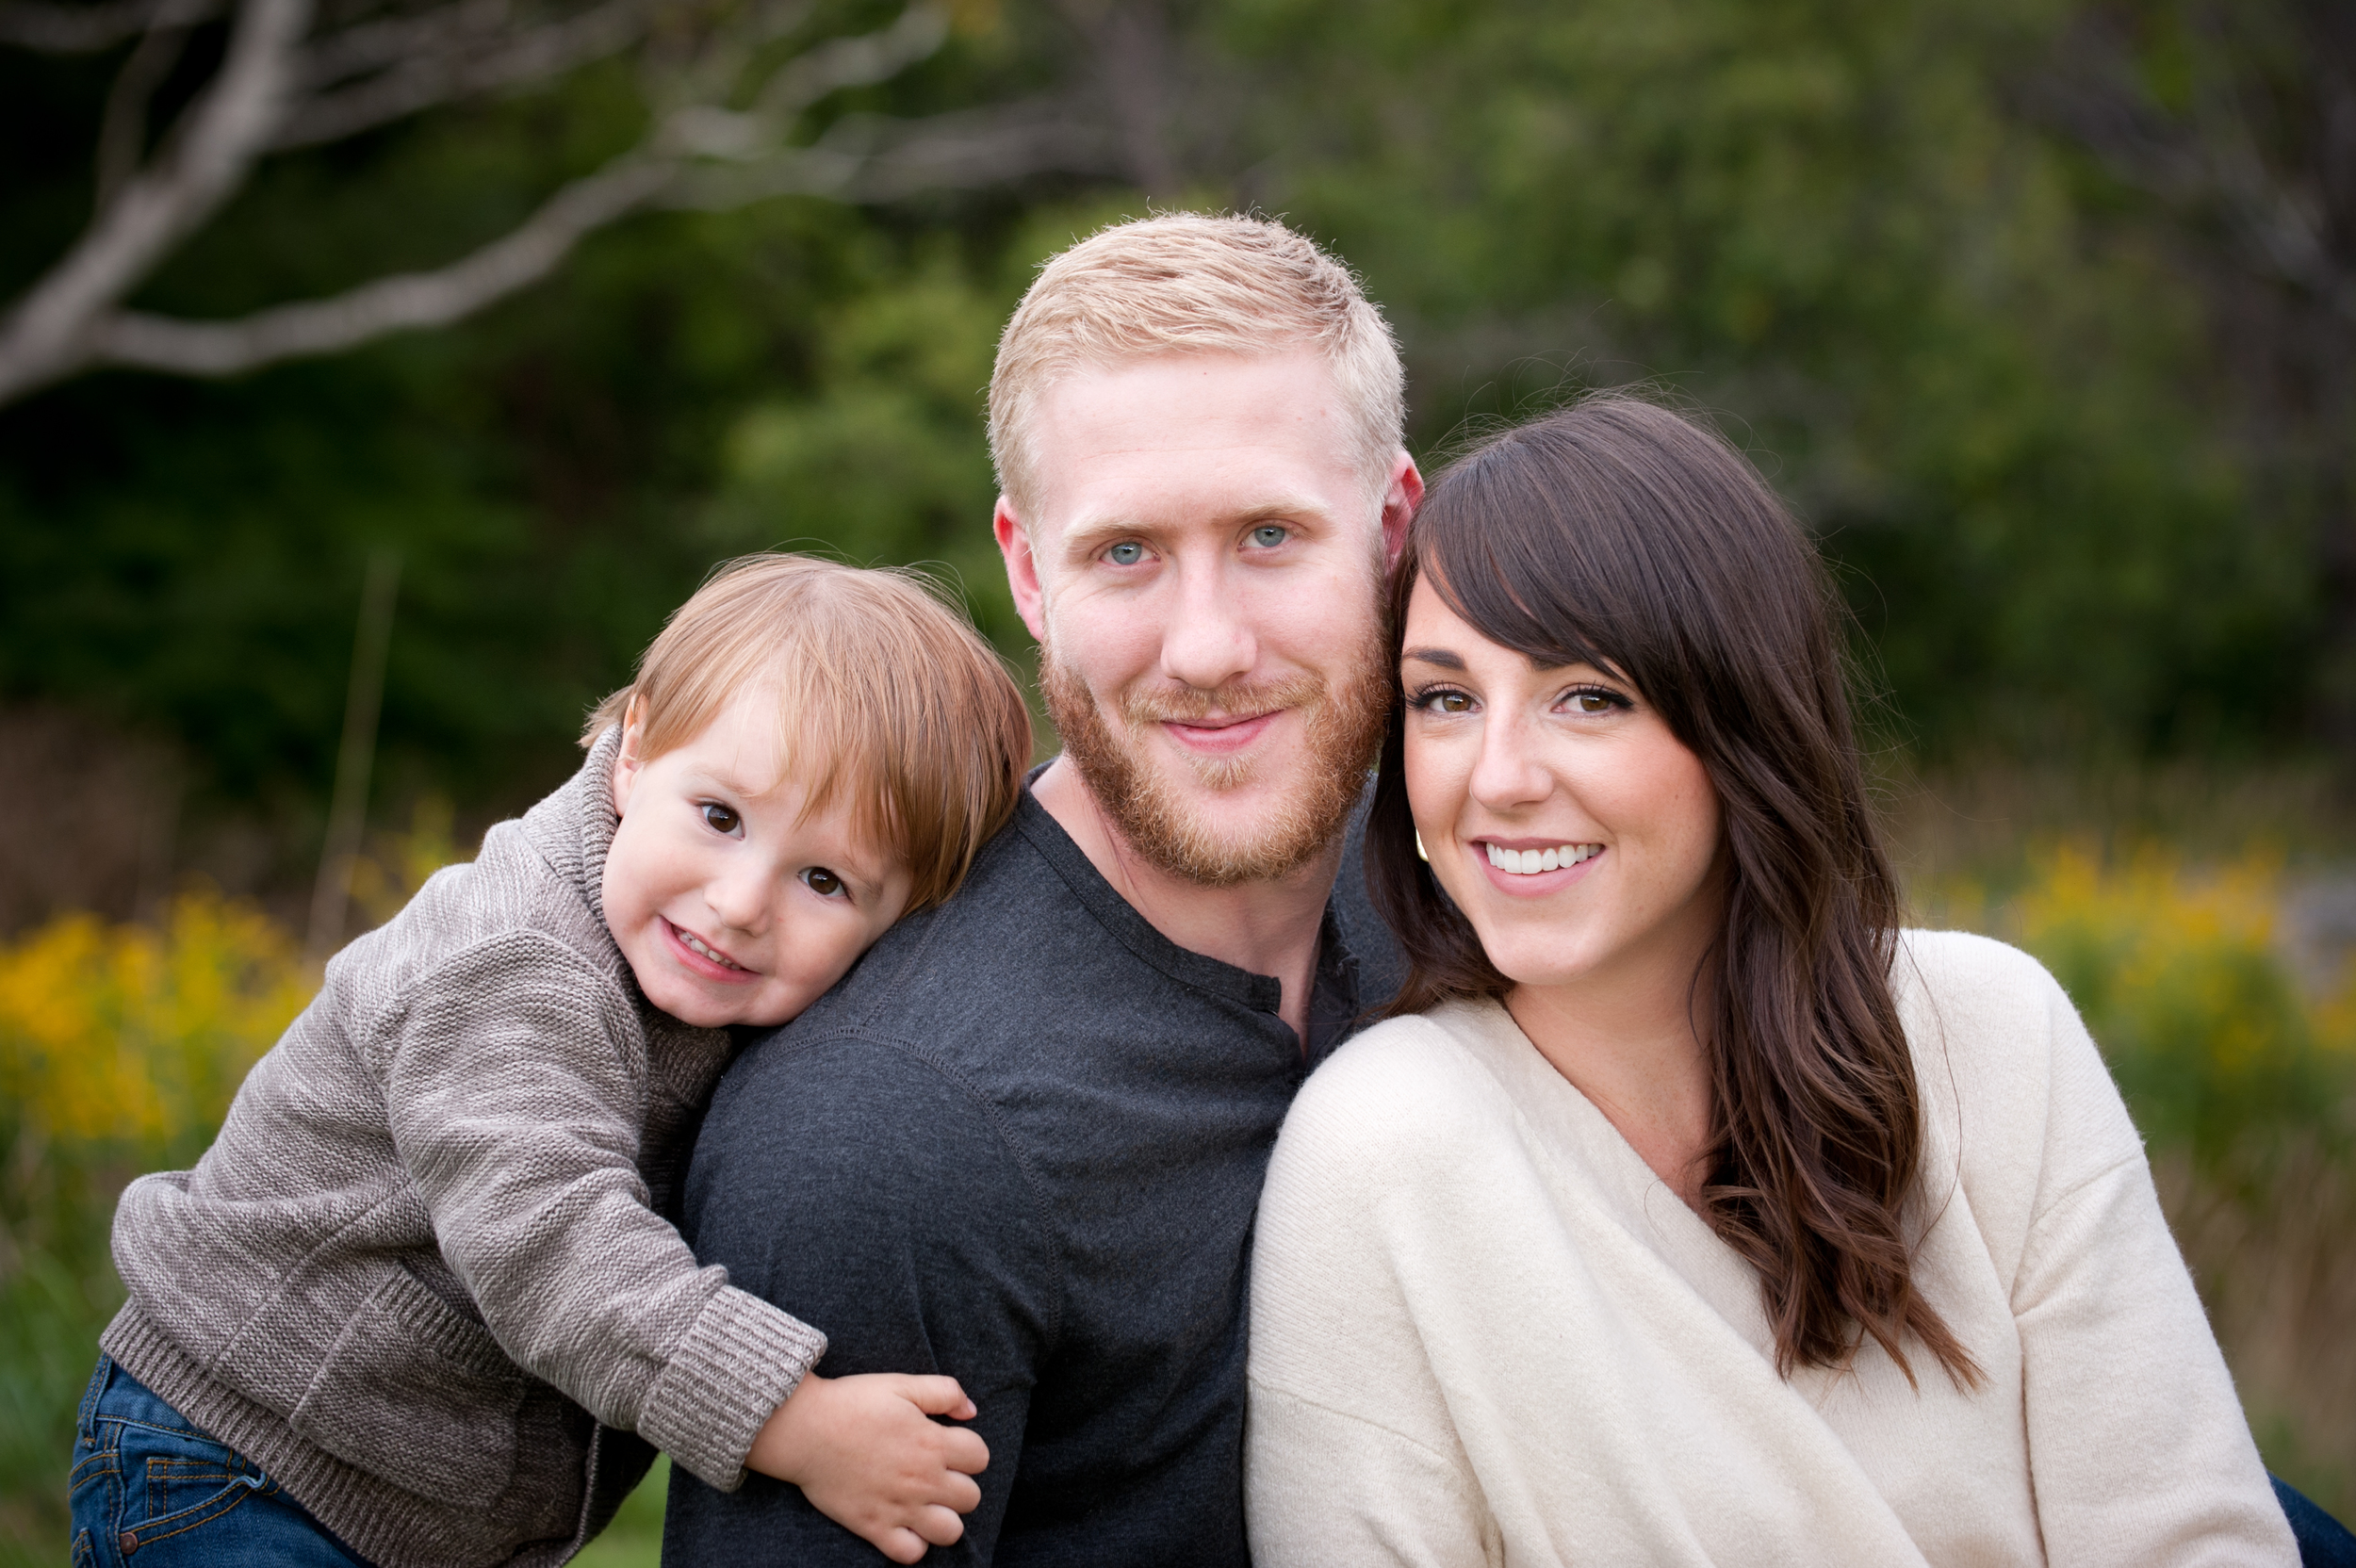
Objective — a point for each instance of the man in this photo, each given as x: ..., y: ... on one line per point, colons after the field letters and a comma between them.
x: 1023, y: 1142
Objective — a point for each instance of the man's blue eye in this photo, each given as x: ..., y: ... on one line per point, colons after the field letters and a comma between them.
x: 1127, y: 553
x: 1270, y: 535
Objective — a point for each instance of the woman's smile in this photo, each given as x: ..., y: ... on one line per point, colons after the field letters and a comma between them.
x: 1529, y: 868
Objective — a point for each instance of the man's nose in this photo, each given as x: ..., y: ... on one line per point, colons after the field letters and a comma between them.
x: 1207, y: 641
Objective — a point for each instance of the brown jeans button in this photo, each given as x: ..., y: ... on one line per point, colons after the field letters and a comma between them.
x: 130, y: 1542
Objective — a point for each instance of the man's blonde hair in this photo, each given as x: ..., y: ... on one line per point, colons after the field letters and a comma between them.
x: 1186, y: 283
x: 885, y: 696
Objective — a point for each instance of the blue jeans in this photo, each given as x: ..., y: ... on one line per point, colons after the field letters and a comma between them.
x: 2323, y: 1541
x: 149, y: 1486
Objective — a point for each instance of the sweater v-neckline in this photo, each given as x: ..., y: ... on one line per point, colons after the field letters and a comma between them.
x: 1570, y: 1125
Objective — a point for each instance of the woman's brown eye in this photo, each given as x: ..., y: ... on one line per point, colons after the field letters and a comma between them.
x: 720, y: 819
x: 1454, y: 702
x: 822, y: 882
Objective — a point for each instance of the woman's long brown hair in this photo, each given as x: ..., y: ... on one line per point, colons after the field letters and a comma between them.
x: 1623, y: 535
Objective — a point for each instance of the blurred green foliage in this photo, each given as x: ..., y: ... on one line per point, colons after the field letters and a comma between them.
x: 2002, y: 382
x: 1950, y: 338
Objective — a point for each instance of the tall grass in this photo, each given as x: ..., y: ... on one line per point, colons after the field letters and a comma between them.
x: 2244, y: 1084
x: 119, y: 1047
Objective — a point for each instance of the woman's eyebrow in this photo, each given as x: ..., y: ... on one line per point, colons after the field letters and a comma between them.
x: 1437, y: 658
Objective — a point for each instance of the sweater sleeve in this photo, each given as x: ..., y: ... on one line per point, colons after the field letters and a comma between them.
x: 517, y: 1111
x: 2137, y: 1446
x: 1350, y: 1455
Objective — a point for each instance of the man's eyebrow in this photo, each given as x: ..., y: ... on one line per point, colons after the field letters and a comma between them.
x: 1087, y: 538
x: 1437, y: 658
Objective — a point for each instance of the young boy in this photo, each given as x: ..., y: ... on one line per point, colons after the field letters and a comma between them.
x: 419, y: 1304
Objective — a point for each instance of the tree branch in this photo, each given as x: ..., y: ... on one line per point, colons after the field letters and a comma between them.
x: 47, y: 334
x: 700, y: 154
x: 123, y: 128
x: 2205, y: 158
x: 81, y: 29
x: 453, y: 62
x: 410, y: 299
x: 869, y: 158
x: 878, y: 161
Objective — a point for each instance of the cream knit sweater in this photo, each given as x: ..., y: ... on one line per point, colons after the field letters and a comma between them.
x: 1483, y: 1332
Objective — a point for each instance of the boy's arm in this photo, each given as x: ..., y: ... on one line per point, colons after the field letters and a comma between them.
x: 517, y: 1110
x: 851, y: 1180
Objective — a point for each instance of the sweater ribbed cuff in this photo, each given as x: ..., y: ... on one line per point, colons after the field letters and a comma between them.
x: 727, y: 1377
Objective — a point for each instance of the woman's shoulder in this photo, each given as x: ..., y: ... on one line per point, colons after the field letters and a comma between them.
x: 1413, y: 1053
x: 1962, y: 984
x: 2003, y: 1057
x: 1412, y: 1084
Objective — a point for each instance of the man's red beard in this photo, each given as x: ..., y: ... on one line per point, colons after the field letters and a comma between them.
x: 1342, y: 729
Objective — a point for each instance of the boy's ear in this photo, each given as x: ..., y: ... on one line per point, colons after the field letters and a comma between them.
x: 625, y: 761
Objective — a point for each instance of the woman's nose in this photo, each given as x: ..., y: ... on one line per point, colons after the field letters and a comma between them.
x: 1508, y: 773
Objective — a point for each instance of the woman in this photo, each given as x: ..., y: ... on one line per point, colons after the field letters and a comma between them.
x: 1691, y: 1213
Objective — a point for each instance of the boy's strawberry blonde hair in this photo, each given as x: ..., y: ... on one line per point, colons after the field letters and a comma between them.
x: 885, y: 696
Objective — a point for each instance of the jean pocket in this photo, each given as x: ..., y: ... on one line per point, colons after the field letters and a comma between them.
x: 166, y: 1481
x: 419, y: 1394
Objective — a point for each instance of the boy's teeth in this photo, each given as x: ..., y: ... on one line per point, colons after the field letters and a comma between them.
x: 692, y: 940
x: 1528, y: 863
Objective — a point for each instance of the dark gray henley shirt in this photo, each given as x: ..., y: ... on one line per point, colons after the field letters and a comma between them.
x: 1021, y: 1144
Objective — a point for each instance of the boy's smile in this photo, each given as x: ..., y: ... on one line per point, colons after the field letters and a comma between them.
x: 730, y: 903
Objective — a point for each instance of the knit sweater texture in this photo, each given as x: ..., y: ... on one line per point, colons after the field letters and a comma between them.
x: 1484, y: 1332
x: 423, y: 1276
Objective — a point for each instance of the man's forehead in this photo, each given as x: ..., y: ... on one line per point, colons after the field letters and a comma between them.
x: 1191, y: 401
x: 1240, y: 436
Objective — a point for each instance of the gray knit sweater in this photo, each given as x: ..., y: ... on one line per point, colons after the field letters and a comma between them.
x: 425, y: 1258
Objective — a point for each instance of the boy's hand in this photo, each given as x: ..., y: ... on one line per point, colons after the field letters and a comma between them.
x: 866, y: 1453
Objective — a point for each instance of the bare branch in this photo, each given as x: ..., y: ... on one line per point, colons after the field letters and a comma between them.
x: 390, y: 304
x: 856, y: 62
x: 2206, y: 161
x: 81, y: 29
x: 870, y: 159
x: 876, y: 161
x: 46, y: 334
x: 702, y: 152
x: 122, y: 129
x: 463, y: 64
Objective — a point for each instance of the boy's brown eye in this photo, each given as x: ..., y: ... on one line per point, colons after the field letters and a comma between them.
x: 720, y: 819
x: 822, y: 882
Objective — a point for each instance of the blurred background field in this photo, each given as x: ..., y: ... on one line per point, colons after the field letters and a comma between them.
x: 329, y: 504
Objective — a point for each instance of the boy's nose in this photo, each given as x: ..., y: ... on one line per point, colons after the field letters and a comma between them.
x: 742, y: 901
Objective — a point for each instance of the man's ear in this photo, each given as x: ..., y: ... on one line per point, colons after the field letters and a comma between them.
x: 1399, y: 501
x: 627, y: 763
x: 1014, y: 543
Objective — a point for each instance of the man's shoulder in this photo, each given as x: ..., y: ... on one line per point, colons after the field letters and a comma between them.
x: 1013, y: 944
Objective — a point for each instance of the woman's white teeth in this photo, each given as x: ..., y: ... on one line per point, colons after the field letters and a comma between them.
x: 696, y: 945
x: 1528, y: 863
